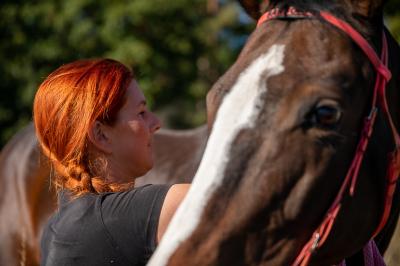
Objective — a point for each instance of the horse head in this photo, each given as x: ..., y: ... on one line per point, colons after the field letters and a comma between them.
x: 286, y: 121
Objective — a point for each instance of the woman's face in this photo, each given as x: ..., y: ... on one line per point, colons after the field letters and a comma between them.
x: 131, y: 137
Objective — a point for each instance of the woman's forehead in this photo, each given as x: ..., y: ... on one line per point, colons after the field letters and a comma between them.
x: 134, y: 95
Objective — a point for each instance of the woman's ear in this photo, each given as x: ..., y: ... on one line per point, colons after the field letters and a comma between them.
x: 254, y: 8
x: 99, y: 137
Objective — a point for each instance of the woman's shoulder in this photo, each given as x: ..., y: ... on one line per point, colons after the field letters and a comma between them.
x: 135, y: 196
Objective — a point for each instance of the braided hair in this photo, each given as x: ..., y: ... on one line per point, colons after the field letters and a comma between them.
x: 66, y: 104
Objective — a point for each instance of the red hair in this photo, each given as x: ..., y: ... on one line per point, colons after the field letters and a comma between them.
x: 66, y: 104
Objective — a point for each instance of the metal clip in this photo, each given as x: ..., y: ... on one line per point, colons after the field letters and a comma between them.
x: 314, y: 246
x: 372, y: 112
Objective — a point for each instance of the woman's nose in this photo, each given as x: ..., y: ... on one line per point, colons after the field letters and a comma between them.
x: 156, y: 123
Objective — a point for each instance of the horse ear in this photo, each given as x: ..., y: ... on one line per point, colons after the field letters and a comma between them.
x: 254, y: 7
x: 368, y: 8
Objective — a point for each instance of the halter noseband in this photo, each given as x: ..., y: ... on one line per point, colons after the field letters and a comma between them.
x: 379, y: 101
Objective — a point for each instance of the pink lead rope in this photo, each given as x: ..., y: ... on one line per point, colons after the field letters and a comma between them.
x: 379, y: 100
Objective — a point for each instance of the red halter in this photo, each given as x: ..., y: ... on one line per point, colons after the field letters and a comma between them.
x: 379, y: 101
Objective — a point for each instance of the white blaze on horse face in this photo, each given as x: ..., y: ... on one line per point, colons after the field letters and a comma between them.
x: 239, y: 110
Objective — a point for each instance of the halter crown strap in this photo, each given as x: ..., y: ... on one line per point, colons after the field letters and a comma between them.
x: 293, y: 13
x: 380, y: 67
x: 383, y: 76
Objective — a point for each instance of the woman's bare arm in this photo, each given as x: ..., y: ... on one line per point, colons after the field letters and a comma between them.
x: 172, y: 201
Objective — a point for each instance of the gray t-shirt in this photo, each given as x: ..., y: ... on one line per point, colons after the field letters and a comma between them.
x: 107, y: 229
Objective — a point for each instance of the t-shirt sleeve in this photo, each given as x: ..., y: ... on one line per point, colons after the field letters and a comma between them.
x: 131, y: 218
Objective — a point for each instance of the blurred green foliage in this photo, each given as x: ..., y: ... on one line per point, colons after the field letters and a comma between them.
x: 392, y: 16
x: 178, y: 49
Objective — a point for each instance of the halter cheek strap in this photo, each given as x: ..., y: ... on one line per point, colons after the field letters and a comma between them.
x: 379, y: 101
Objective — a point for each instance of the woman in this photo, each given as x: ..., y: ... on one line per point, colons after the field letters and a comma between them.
x: 92, y: 123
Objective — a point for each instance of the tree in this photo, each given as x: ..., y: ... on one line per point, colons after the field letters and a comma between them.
x: 177, y: 49
x: 392, y: 12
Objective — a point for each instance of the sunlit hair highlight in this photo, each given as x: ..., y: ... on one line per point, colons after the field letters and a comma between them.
x: 66, y: 104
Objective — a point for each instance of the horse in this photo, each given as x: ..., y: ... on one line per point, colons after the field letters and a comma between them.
x: 27, y: 199
x: 296, y: 168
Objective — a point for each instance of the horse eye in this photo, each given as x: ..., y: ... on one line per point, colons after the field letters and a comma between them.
x: 326, y: 116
